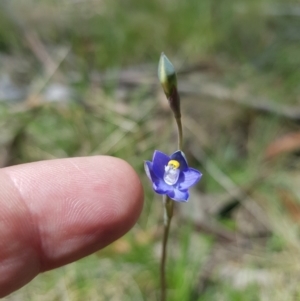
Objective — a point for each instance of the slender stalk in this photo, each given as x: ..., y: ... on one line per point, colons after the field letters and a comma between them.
x: 168, y: 213
x: 180, y: 134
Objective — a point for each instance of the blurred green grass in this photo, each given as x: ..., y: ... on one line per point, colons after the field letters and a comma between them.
x: 250, y: 47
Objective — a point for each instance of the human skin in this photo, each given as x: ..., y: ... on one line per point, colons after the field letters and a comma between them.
x: 58, y: 211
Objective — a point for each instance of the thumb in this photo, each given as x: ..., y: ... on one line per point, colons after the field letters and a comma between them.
x: 55, y: 212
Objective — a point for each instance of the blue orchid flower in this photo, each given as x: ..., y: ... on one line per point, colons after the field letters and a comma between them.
x: 171, y: 175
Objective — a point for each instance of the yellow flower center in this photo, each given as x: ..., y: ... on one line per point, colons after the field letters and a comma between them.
x: 174, y: 164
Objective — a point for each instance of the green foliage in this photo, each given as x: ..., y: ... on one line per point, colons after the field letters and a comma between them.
x: 247, y: 48
x: 228, y: 294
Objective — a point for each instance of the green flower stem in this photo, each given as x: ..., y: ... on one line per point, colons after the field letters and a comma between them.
x: 168, y: 213
x: 180, y: 134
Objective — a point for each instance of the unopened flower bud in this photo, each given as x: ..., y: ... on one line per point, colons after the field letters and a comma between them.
x: 168, y: 79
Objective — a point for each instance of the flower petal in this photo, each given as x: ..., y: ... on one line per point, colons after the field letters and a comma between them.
x: 180, y: 157
x: 161, y: 187
x: 160, y: 160
x: 188, y: 178
x: 149, y: 171
x: 179, y: 195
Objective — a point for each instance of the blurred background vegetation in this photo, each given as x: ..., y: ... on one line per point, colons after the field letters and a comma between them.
x: 79, y: 78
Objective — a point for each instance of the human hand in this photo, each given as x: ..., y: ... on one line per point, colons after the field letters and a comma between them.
x: 55, y: 212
